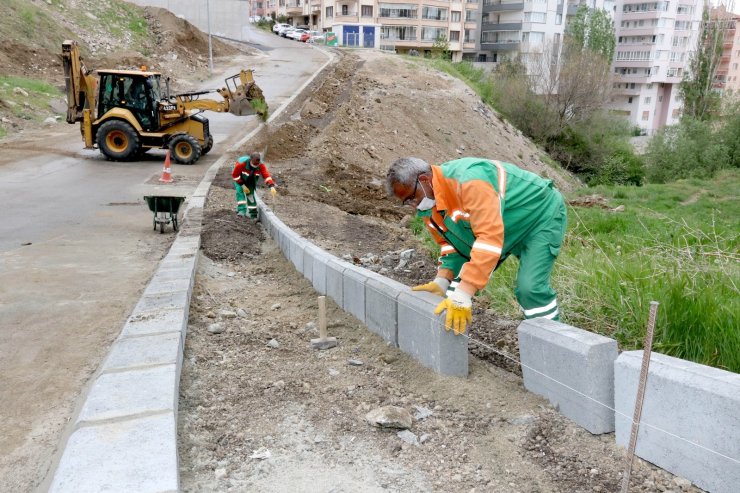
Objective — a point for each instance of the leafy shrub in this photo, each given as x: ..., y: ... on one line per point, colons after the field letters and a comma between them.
x: 690, y: 149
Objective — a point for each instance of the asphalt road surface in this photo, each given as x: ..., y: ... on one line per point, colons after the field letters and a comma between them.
x: 76, y: 251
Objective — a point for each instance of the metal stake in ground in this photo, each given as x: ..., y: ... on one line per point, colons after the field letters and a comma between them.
x: 323, y: 342
x: 647, y: 349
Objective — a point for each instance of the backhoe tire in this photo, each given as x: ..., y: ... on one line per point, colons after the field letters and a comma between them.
x: 118, y: 141
x: 208, y: 147
x: 185, y: 149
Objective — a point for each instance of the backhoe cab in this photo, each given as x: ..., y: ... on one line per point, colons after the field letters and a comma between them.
x: 125, y: 112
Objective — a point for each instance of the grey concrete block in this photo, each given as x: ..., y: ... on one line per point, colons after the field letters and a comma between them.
x: 572, y: 368
x: 197, y: 201
x: 335, y: 280
x: 297, y: 245
x: 135, y: 352
x: 309, y: 252
x: 689, y: 411
x: 381, y: 310
x: 133, y: 455
x: 159, y: 322
x: 131, y: 393
x: 422, y: 335
x: 353, y: 287
x: 173, y: 274
x: 163, y: 301
x: 318, y: 273
x: 169, y: 263
x: 160, y: 287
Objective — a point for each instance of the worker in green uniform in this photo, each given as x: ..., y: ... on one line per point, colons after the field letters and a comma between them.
x: 480, y: 211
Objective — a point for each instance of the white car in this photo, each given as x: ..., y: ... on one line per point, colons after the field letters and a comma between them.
x: 278, y: 26
x: 296, y: 34
x: 283, y: 31
x: 316, y: 37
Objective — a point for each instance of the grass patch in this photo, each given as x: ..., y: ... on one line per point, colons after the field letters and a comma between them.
x: 36, y: 105
x: 677, y: 243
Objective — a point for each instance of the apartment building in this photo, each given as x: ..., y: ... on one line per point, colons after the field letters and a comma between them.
x: 518, y: 27
x: 655, y: 41
x: 726, y: 80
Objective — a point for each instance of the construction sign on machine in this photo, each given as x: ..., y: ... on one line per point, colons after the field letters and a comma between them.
x: 331, y: 39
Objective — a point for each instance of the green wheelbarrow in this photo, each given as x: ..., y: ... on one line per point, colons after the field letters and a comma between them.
x: 165, y: 210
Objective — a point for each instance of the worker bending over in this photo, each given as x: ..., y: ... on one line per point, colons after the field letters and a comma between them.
x: 246, y: 173
x: 481, y: 211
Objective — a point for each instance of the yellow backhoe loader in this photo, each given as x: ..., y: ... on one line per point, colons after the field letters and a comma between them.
x: 124, y: 113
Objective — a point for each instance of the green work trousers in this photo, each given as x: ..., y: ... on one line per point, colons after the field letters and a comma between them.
x: 245, y: 202
x: 536, y: 259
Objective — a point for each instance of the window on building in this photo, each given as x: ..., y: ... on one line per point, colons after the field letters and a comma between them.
x: 645, y: 115
x: 533, y: 37
x: 398, y: 11
x: 734, y: 66
x: 330, y: 11
x: 345, y: 10
x: 660, y: 99
x: 629, y: 100
x: 367, y: 11
x: 398, y: 33
x: 469, y: 36
x: 647, y: 100
x: 433, y: 33
x: 540, y: 17
x: 433, y: 13
x: 455, y: 16
x: 471, y: 15
x: 454, y: 35
x: 558, y: 19
x: 676, y: 113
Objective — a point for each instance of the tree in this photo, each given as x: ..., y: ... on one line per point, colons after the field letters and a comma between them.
x: 593, y: 29
x: 573, y: 82
x: 700, y: 100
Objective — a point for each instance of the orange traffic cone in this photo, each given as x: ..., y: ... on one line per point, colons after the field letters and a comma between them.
x: 166, y: 172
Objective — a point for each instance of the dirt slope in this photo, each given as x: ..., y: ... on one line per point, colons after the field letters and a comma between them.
x: 169, y: 44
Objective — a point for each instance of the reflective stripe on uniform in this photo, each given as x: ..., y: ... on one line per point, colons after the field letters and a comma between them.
x: 241, y: 202
x: 446, y: 249
x: 501, y: 179
x: 455, y: 214
x: 487, y: 247
x: 251, y: 207
x: 551, y: 316
x: 542, y: 309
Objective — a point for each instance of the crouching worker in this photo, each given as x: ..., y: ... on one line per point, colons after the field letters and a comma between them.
x: 481, y: 211
x: 246, y: 173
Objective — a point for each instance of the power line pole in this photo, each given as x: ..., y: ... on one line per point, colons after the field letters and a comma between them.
x: 210, y: 46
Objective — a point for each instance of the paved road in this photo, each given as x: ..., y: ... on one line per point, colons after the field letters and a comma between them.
x: 76, y: 251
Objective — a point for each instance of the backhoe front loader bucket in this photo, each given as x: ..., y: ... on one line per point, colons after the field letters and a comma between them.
x: 247, y: 97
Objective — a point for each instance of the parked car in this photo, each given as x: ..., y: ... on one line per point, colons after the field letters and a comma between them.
x: 305, y: 36
x: 316, y: 37
x: 296, y: 34
x: 283, y: 31
x: 277, y: 26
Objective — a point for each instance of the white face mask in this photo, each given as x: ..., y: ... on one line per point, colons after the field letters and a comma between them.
x: 426, y: 203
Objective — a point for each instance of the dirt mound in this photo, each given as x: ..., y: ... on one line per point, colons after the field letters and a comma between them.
x: 227, y: 236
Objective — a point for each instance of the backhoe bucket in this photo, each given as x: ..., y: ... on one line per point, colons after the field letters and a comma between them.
x: 247, y: 97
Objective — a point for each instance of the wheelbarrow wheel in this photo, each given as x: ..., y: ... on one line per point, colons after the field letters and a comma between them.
x: 161, y: 227
x: 174, y: 222
x: 154, y: 222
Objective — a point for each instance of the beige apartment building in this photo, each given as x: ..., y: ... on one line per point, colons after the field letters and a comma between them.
x: 397, y: 25
x: 727, y: 79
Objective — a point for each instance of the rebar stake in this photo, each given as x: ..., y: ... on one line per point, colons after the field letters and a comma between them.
x: 647, y: 349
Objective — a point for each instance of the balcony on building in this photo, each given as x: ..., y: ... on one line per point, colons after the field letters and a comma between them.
x: 315, y: 5
x: 293, y: 7
x: 501, y: 26
x: 502, y: 6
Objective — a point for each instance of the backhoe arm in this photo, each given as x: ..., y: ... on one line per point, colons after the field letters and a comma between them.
x: 80, y: 85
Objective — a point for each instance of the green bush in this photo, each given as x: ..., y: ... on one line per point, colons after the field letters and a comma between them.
x: 690, y: 149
